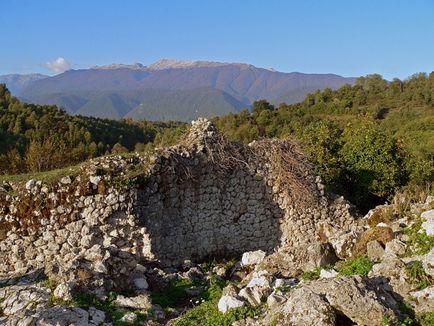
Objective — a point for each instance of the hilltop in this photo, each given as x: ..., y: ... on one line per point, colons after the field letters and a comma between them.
x: 171, y: 89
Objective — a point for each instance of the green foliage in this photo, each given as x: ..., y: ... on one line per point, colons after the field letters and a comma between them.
x: 419, y: 243
x: 427, y: 319
x: 207, y: 314
x: 36, y: 138
x: 389, y: 321
x: 417, y: 274
x: 360, y: 265
x: 366, y: 141
x: 311, y: 275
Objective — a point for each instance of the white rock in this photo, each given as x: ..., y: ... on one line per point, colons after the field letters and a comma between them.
x: 94, y: 179
x: 275, y: 299
x: 282, y: 282
x: 30, y: 184
x: 141, y: 283
x: 227, y: 302
x: 261, y: 279
x: 252, y: 257
x: 64, y: 291
x: 424, y: 299
x: 66, y: 180
x: 428, y: 263
x: 130, y: 317
x: 328, y: 273
x: 140, y: 301
x: 428, y: 224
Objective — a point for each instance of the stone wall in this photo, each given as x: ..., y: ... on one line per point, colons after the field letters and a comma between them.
x: 204, y: 197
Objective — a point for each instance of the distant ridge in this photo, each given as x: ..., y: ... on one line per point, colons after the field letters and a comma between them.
x: 172, y: 89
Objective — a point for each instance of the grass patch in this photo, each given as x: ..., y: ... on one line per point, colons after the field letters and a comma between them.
x: 311, y: 275
x: 417, y: 274
x: 46, y: 176
x: 207, y: 313
x: 419, y: 242
x: 426, y: 319
x: 360, y: 265
x: 174, y: 293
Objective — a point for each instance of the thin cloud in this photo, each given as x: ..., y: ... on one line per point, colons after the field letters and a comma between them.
x: 58, y: 65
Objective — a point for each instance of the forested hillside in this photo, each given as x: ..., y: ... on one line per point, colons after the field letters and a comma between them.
x: 40, y: 137
x: 367, y: 140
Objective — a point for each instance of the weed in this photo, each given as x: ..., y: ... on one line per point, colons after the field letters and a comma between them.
x: 311, y: 275
x: 426, y: 319
x: 360, y: 265
x: 419, y: 243
x: 417, y: 274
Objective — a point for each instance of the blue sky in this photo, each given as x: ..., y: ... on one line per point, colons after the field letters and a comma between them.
x: 350, y: 38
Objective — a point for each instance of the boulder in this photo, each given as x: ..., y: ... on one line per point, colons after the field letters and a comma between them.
x: 141, y: 301
x: 304, y: 307
x: 227, y: 302
x: 320, y: 254
x: 64, y: 291
x: 374, y: 250
x: 395, y: 247
x: 252, y: 258
x: 391, y: 274
x: 424, y: 299
x: 428, y: 224
x: 356, y: 298
x: 381, y: 234
x: 141, y: 283
x: 254, y: 295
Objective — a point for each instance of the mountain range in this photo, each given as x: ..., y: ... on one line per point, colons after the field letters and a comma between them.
x: 167, y: 89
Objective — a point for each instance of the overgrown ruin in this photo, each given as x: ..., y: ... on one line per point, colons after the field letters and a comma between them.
x: 204, y: 197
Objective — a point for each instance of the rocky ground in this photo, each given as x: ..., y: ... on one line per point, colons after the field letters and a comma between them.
x: 81, y: 252
x: 389, y: 282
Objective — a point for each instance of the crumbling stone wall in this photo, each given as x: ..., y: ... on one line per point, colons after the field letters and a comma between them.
x: 206, y: 196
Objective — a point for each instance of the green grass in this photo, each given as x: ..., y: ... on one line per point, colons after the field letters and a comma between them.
x: 46, y: 176
x: 311, y: 275
x: 417, y: 275
x: 207, y: 313
x: 174, y: 293
x: 426, y: 319
x: 360, y: 265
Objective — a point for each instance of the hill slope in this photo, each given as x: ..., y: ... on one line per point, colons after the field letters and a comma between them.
x: 235, y: 85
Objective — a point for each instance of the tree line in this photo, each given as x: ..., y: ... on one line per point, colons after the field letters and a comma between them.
x: 36, y: 138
